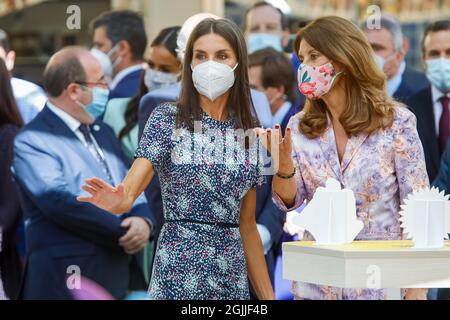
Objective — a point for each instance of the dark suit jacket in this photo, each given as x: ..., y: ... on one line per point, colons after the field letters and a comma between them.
x: 10, y: 216
x: 442, y: 180
x: 292, y: 112
x: 412, y: 82
x: 128, y: 86
x: 50, y: 165
x: 267, y: 213
x: 421, y: 104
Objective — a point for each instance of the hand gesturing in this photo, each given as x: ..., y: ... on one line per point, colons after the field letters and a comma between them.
x: 280, y: 148
x: 105, y: 196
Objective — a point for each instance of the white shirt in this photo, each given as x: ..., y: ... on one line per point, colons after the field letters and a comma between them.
x: 395, y: 82
x: 281, y: 113
x: 266, y: 239
x: 74, y: 125
x: 437, y: 106
x: 262, y: 108
x: 122, y: 74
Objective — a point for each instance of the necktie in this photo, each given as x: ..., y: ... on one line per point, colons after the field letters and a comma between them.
x: 95, y: 152
x: 444, y: 123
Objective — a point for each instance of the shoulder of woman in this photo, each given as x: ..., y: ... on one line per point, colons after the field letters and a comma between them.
x: 295, y: 120
x: 165, y: 110
x: 402, y: 114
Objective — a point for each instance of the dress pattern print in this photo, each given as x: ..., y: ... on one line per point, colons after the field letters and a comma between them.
x: 199, y: 253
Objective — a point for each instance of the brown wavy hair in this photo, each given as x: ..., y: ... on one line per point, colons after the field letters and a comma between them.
x: 369, y: 107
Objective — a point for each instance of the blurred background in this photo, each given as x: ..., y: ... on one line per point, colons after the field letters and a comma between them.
x: 37, y: 28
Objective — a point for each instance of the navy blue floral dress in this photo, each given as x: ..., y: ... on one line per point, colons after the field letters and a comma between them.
x: 200, y: 253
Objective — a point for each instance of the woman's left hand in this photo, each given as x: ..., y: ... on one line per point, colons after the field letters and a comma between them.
x: 416, y: 294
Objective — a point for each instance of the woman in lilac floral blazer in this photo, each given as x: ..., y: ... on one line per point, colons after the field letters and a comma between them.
x: 349, y: 130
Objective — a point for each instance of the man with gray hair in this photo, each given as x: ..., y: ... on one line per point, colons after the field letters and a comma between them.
x: 390, y: 47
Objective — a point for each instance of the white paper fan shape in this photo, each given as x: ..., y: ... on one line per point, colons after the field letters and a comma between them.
x: 407, y: 212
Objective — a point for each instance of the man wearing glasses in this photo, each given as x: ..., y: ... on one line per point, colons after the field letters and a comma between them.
x: 53, y: 155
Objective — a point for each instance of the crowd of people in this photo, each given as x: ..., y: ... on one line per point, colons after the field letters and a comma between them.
x: 132, y: 167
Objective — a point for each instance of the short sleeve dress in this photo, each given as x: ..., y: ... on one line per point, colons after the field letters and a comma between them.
x: 203, y: 180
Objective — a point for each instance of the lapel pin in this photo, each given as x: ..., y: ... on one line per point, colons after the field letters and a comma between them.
x: 96, y: 127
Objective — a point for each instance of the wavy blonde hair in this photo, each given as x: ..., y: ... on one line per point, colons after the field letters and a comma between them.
x: 369, y: 107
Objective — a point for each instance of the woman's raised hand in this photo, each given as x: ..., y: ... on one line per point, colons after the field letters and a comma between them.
x: 280, y: 148
x: 105, y: 196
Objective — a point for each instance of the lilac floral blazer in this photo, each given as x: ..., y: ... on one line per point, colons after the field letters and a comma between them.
x: 381, y: 169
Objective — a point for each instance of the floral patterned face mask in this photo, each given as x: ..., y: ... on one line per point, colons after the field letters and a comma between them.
x: 315, y: 82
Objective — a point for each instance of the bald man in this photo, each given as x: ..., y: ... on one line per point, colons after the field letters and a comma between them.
x: 67, y: 240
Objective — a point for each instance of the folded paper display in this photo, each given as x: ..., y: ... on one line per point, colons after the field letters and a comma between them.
x: 425, y: 218
x: 330, y: 216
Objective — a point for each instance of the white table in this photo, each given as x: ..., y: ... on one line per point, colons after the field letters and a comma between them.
x: 368, y: 264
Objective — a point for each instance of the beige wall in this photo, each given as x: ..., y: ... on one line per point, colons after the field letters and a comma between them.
x: 159, y: 14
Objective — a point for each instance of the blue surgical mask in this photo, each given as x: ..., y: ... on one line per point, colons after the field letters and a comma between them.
x: 258, y: 41
x: 99, y: 101
x: 438, y: 72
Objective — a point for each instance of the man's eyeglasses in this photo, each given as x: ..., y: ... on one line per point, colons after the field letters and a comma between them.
x: 94, y: 84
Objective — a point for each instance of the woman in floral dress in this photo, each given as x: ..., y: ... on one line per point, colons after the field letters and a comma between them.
x: 349, y: 130
x: 209, y: 239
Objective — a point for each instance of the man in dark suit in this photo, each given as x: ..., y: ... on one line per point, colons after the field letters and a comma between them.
x: 53, y: 155
x: 390, y: 47
x: 442, y: 182
x: 431, y: 104
x: 271, y: 72
x: 121, y: 36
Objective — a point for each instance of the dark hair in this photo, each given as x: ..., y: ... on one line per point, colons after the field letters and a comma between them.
x: 124, y: 25
x: 259, y: 4
x: 239, y: 100
x: 4, y: 41
x: 440, y: 25
x: 276, y: 70
x: 168, y: 38
x: 9, y: 113
x: 58, y: 76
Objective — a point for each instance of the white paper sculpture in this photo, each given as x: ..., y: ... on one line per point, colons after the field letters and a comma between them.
x: 425, y: 218
x: 331, y: 215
